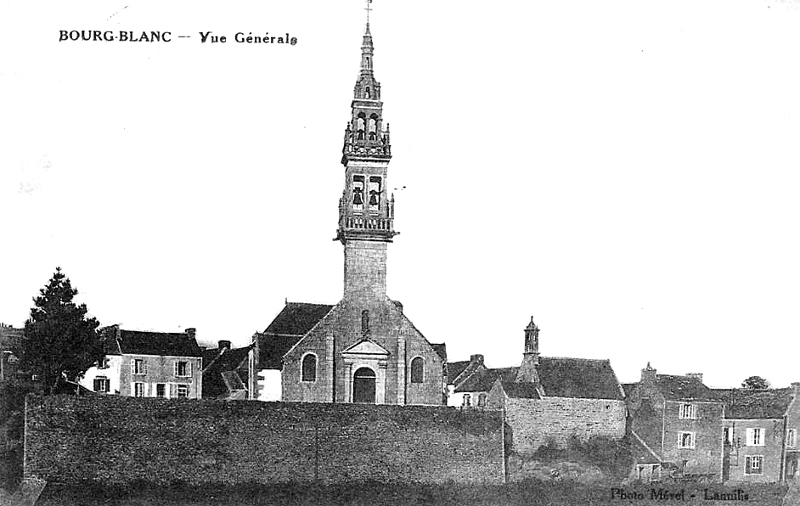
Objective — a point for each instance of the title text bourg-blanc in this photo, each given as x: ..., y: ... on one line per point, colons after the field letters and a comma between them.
x: 163, y: 36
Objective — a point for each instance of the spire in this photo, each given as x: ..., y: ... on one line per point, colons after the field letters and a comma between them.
x: 530, y: 358
x: 366, y: 53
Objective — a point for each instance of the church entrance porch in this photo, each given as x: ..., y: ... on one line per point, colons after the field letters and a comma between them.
x: 365, y: 368
x: 364, y: 386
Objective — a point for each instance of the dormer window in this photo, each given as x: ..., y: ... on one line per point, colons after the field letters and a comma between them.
x: 358, y: 193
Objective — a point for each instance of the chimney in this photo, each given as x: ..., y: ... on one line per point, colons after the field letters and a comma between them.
x: 695, y: 375
x: 224, y: 345
x: 648, y: 374
x: 191, y: 332
x: 476, y: 359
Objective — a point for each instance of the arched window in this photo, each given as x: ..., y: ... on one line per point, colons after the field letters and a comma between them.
x: 310, y: 367
x: 416, y: 370
x: 367, y: 94
x: 361, y: 125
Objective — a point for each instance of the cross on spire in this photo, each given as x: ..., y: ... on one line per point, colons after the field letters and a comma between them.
x: 368, y: 8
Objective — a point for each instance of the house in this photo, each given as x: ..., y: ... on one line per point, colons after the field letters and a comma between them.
x: 551, y: 400
x: 474, y: 390
x: 459, y: 372
x: 676, y: 423
x: 363, y: 349
x: 10, y: 338
x: 759, y: 432
x: 229, y: 373
x: 147, y: 364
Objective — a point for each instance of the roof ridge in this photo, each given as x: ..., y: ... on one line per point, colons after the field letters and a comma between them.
x: 581, y: 359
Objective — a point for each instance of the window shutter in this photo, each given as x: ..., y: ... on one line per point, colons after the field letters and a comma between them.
x: 189, y: 368
x: 133, y: 366
x: 175, y: 368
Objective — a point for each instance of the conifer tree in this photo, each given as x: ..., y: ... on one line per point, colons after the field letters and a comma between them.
x: 59, y: 338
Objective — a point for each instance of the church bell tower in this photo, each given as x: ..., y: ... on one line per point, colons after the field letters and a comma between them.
x: 366, y: 209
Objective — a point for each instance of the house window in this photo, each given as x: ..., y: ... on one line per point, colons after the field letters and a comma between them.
x: 755, y: 437
x: 138, y: 389
x: 753, y: 464
x: 183, y: 369
x: 791, y: 438
x: 138, y: 366
x: 161, y: 390
x: 482, y: 399
x: 466, y: 400
x: 655, y: 473
x: 102, y: 384
x: 727, y: 436
x: 309, y: 367
x: 686, y: 440
x: 183, y: 391
x: 687, y: 411
x: 416, y: 370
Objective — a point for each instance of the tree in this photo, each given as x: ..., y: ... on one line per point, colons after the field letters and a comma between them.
x: 755, y: 383
x: 59, y: 339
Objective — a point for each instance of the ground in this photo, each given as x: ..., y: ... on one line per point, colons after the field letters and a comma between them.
x: 528, y: 493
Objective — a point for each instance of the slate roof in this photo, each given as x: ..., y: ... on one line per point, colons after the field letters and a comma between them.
x: 683, y: 387
x: 219, y: 371
x: 286, y: 330
x: 579, y: 378
x: 456, y: 368
x: 297, y: 318
x: 628, y: 388
x: 559, y: 377
x: 178, y: 344
x: 272, y: 348
x: 441, y: 350
x: 521, y: 390
x: 483, y: 380
x: 747, y: 403
x: 10, y: 336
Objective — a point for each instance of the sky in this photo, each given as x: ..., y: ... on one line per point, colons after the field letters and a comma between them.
x: 625, y: 172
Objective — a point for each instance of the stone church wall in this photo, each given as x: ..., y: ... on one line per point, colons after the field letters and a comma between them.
x: 121, y: 440
x: 534, y: 423
x: 339, y: 330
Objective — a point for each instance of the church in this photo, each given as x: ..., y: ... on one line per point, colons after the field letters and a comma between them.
x: 363, y: 349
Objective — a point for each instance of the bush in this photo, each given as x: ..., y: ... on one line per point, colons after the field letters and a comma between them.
x: 612, y: 456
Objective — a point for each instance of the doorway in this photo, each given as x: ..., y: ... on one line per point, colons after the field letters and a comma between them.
x: 364, y: 386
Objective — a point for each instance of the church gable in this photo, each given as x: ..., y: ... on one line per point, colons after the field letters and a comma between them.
x: 366, y: 347
x: 380, y: 341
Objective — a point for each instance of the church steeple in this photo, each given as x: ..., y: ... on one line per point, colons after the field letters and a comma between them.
x: 366, y: 209
x: 530, y: 358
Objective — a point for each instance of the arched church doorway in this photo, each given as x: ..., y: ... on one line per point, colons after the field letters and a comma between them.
x: 364, y: 386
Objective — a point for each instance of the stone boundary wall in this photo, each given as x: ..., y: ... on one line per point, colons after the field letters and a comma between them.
x: 122, y: 440
x: 536, y: 422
